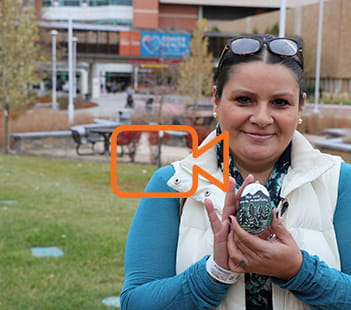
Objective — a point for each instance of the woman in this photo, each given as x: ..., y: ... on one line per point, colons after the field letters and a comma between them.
x: 181, y: 255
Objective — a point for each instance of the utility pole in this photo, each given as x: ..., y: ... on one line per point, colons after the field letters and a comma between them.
x: 70, y: 72
x: 53, y: 74
x: 318, y: 58
x: 282, y: 19
x: 4, y: 89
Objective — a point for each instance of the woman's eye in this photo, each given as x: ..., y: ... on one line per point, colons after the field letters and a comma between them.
x: 243, y: 100
x: 281, y: 102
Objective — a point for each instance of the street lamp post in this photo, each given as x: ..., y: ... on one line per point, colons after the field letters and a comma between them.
x: 74, y: 56
x: 282, y: 18
x: 318, y: 57
x: 70, y: 72
x: 53, y: 76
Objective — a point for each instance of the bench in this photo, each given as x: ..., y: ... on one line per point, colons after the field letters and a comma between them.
x: 82, y: 136
x: 43, y: 141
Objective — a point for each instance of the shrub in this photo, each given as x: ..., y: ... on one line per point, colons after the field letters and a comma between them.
x: 41, y: 119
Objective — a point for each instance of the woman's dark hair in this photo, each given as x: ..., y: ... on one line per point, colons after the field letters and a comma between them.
x: 230, y: 60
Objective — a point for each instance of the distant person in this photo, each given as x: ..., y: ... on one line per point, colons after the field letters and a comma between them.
x: 130, y: 101
x: 193, y: 254
x: 148, y: 104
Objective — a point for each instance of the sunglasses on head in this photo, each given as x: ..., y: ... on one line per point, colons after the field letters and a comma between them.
x: 244, y: 46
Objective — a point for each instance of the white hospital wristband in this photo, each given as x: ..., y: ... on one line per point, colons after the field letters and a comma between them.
x: 220, y: 274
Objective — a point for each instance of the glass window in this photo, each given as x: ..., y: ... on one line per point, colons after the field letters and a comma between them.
x: 122, y: 2
x: 99, y: 2
x: 71, y: 3
x: 46, y: 2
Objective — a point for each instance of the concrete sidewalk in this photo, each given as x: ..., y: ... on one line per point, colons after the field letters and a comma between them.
x: 110, y: 104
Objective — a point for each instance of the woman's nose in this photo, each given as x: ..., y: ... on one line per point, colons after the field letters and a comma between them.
x: 262, y: 115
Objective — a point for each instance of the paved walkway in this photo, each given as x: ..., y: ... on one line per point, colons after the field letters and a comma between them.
x: 108, y: 105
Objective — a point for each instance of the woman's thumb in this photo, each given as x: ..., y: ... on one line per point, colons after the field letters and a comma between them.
x: 277, y: 226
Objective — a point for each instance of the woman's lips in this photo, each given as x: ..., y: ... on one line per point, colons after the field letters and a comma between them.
x: 259, y: 136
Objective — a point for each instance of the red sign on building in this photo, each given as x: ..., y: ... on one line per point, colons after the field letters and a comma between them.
x: 129, y: 44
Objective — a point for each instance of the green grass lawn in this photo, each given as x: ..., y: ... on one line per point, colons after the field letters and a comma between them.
x: 70, y: 205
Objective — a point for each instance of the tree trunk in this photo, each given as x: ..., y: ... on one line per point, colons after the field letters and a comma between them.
x: 7, y: 140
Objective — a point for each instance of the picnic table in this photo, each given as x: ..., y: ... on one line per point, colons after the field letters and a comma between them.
x: 128, y: 138
x: 105, y: 133
x: 83, y: 138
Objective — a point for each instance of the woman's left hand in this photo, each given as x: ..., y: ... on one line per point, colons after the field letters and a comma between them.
x: 278, y: 257
x: 220, y: 227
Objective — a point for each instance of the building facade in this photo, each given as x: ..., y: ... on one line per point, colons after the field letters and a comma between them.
x: 302, y: 21
x: 125, y: 42
x: 122, y: 43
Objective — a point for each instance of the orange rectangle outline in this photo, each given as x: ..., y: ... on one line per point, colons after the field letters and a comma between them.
x: 195, y: 151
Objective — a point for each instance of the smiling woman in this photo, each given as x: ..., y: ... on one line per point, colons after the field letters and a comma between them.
x: 261, y: 115
x: 195, y: 255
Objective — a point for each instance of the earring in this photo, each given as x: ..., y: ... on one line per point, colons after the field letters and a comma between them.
x: 214, y: 114
x: 300, y: 121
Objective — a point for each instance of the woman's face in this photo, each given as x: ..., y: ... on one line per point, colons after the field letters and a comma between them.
x: 260, y: 109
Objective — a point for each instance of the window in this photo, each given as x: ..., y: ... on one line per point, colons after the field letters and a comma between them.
x: 99, y: 2
x: 122, y: 2
x: 71, y: 2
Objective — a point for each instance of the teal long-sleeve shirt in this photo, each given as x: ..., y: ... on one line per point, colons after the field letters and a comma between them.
x: 151, y: 282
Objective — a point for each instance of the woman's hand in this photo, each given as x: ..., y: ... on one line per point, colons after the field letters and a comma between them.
x: 220, y: 228
x: 279, y: 256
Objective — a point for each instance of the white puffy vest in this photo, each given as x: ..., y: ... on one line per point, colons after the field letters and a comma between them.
x: 310, y: 187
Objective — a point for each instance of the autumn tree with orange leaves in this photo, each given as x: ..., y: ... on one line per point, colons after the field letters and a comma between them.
x: 195, y: 72
x: 18, y: 56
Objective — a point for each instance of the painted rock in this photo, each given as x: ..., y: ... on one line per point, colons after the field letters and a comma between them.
x: 255, y: 209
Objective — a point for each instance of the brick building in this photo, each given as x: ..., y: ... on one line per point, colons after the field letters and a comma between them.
x: 117, y: 39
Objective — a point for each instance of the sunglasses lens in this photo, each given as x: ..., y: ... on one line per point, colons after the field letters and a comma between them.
x: 245, y: 46
x: 284, y: 47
